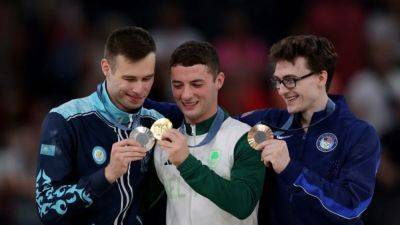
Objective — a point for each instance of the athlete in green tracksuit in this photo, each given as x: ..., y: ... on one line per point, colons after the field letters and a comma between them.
x: 210, y: 173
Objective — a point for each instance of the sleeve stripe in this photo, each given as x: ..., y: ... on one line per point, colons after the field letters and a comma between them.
x: 328, y: 203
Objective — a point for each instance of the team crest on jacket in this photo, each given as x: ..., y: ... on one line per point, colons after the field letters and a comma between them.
x: 99, y: 155
x: 327, y: 142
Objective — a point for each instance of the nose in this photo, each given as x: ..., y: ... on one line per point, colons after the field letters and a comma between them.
x: 186, y: 93
x: 282, y: 89
x: 137, y: 87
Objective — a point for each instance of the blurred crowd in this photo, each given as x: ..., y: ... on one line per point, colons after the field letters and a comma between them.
x: 50, y: 52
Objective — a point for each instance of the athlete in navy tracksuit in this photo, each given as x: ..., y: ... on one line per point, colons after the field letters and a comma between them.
x: 89, y: 172
x: 331, y: 175
x: 323, y: 160
x: 76, y: 140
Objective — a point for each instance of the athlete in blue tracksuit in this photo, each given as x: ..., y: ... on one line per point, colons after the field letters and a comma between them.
x: 88, y: 171
x: 331, y: 175
x: 323, y: 161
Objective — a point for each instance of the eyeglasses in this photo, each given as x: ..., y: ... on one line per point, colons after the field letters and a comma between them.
x: 289, y: 81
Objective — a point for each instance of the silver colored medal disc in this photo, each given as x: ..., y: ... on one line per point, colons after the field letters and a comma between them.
x: 144, y: 136
x: 258, y: 134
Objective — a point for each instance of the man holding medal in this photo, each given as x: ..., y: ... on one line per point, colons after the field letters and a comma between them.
x: 324, y: 159
x: 88, y: 170
x: 210, y: 173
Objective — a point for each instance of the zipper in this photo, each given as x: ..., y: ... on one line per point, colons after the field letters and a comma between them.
x: 130, y: 121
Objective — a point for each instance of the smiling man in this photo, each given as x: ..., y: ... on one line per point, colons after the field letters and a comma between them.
x: 88, y: 171
x: 324, y: 160
x: 210, y: 173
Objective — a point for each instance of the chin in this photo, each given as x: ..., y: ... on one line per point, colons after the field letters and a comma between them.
x: 292, y: 110
x: 133, y: 106
x: 189, y: 112
x: 192, y: 117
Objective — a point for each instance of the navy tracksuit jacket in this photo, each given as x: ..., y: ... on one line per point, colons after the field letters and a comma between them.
x: 75, y: 146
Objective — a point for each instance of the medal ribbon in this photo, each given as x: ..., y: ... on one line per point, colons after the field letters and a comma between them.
x: 330, y: 108
x: 215, y: 126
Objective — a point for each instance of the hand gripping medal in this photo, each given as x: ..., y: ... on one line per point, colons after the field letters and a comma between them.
x: 259, y: 133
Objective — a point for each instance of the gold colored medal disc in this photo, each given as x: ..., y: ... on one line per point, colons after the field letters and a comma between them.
x: 159, y: 127
x: 259, y: 133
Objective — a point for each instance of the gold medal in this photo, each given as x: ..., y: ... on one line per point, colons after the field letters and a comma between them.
x: 159, y: 127
x: 259, y: 133
x: 144, y: 136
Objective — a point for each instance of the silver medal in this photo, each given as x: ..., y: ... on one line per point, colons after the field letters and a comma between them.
x: 144, y: 136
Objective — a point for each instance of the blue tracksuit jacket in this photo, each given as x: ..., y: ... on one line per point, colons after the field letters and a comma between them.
x: 75, y: 146
x: 331, y: 176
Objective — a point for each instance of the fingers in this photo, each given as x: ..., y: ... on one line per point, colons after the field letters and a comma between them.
x: 127, y: 160
x: 268, y: 148
x: 123, y: 153
x: 129, y: 154
x: 126, y: 142
x: 177, y: 133
x: 267, y: 162
x: 266, y: 153
x: 128, y: 148
x: 132, y: 154
x: 265, y: 144
x: 172, y: 139
x: 171, y: 134
x: 165, y: 144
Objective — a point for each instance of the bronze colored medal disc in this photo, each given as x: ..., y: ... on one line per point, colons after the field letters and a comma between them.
x: 259, y: 133
x: 159, y: 127
x: 144, y: 136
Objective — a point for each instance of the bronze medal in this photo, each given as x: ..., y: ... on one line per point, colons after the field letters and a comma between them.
x: 259, y: 133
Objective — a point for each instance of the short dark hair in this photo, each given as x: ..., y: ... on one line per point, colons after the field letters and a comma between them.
x: 134, y: 43
x: 318, y: 51
x: 195, y: 52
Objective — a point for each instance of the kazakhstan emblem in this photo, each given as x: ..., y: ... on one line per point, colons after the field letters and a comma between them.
x: 99, y: 155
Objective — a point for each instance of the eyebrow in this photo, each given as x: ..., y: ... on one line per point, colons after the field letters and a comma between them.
x: 196, y: 81
x: 192, y: 81
x: 176, y: 81
x: 286, y: 76
x: 135, y: 76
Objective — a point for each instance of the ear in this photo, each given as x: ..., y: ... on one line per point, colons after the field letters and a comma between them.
x: 105, y: 67
x: 219, y: 80
x: 323, y: 78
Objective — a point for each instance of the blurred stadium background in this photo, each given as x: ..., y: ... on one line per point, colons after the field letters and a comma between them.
x: 50, y: 52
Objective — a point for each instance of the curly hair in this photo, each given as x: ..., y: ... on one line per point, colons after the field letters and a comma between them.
x: 318, y: 51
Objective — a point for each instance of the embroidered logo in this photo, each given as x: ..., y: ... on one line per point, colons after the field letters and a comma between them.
x: 247, y: 114
x: 99, y: 155
x: 49, y: 150
x: 214, y: 158
x: 283, y: 137
x: 327, y: 142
